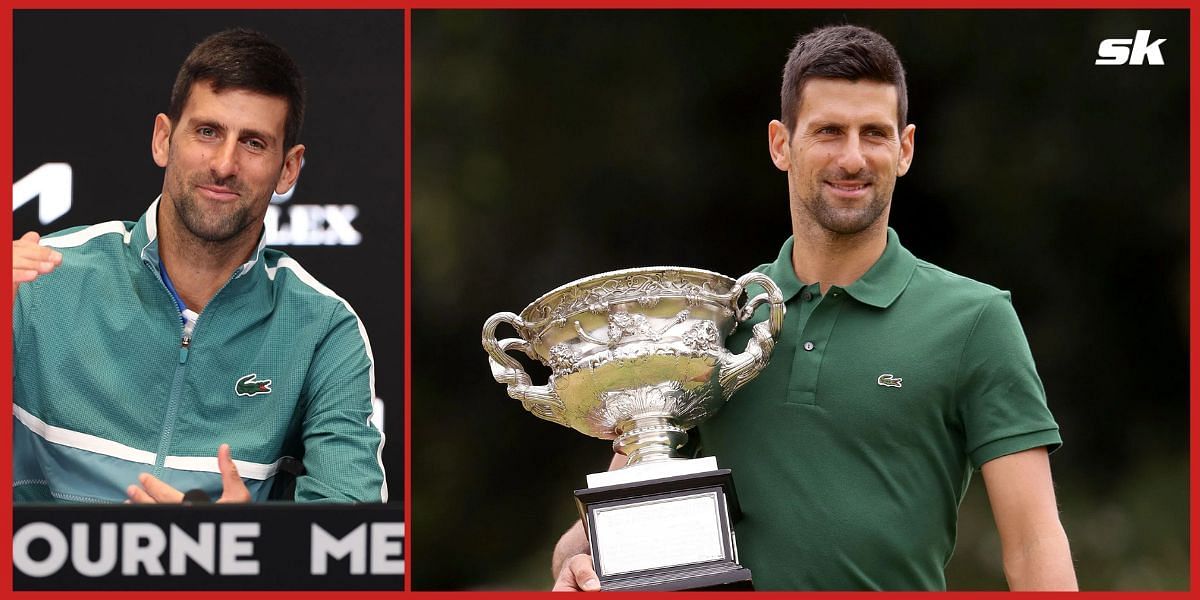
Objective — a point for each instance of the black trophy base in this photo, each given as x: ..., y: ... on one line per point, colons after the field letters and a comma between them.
x: 721, y: 572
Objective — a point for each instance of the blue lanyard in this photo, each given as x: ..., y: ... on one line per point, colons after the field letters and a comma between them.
x: 162, y: 270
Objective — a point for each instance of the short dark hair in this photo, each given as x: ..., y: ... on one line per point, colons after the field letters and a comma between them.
x: 841, y: 52
x: 246, y: 60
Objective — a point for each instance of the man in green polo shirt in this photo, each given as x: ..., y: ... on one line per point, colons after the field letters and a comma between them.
x: 893, y: 380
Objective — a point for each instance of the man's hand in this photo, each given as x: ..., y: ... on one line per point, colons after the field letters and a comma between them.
x: 154, y: 491
x: 571, y: 563
x: 31, y: 260
x: 577, y: 575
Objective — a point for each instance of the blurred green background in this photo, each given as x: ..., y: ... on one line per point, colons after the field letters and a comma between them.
x: 551, y: 145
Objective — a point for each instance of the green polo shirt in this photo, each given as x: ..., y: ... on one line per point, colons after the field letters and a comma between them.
x: 852, y: 450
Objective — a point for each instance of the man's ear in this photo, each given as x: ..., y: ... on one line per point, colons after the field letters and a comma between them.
x: 778, y: 140
x: 160, y: 141
x: 291, y: 169
x: 907, y: 139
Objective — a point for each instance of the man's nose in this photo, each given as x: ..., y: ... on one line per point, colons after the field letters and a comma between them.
x: 224, y: 159
x: 851, y: 159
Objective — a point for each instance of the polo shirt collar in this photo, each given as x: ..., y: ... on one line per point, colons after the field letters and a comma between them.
x: 887, y: 278
x: 782, y: 272
x: 878, y: 287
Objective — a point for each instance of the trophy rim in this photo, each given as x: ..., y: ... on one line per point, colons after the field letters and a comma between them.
x: 526, y: 312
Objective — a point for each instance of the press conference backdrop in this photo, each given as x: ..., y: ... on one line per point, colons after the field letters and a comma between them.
x: 86, y: 88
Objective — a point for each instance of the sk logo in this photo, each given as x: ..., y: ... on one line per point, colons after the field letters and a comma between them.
x: 247, y: 386
x: 1136, y: 51
x: 888, y: 380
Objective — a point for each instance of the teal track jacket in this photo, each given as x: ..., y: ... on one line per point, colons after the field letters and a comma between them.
x: 105, y: 387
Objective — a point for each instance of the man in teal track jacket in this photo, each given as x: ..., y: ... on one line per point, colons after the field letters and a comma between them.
x: 177, y: 353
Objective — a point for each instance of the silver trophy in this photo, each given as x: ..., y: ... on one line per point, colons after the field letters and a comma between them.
x: 638, y: 357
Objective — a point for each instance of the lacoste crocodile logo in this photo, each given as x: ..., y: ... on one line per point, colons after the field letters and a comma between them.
x: 248, y: 386
x: 889, y: 380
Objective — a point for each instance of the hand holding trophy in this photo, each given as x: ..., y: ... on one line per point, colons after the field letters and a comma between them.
x: 638, y: 356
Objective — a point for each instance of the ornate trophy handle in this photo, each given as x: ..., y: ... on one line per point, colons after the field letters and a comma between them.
x: 739, y: 369
x: 539, y: 400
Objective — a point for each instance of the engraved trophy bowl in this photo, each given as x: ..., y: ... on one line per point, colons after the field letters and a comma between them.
x: 637, y: 355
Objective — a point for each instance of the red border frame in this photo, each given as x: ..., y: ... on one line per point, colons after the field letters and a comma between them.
x: 6, y: 166
x: 6, y: 120
x: 597, y: 4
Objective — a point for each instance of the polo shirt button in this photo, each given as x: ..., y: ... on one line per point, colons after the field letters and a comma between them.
x: 807, y: 295
x: 808, y: 346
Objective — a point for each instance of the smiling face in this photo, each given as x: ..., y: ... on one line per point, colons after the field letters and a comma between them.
x: 843, y: 156
x: 223, y: 160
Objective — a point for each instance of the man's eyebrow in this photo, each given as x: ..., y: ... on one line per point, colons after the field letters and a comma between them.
x: 194, y: 122
x: 255, y: 133
x: 884, y: 127
x: 816, y: 124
